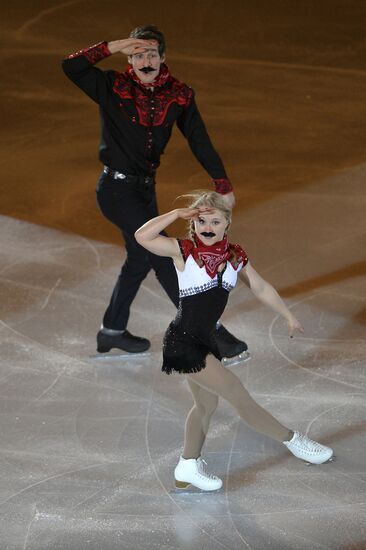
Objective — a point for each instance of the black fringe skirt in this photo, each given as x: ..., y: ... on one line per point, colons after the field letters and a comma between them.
x: 184, y: 352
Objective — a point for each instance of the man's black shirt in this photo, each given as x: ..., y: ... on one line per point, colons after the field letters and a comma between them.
x: 136, y: 123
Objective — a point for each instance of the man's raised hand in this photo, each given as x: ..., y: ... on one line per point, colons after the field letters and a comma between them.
x: 130, y: 46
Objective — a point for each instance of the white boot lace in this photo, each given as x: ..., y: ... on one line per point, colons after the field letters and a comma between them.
x: 308, y: 445
x: 201, y: 463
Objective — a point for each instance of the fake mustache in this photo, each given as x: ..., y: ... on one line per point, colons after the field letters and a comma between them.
x: 208, y: 234
x: 147, y: 70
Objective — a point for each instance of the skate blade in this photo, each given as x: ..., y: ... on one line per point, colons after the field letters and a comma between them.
x: 115, y: 356
x: 231, y: 361
x: 333, y: 458
x: 184, y: 487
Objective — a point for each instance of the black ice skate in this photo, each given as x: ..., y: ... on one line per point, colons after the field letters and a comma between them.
x: 232, y: 350
x: 124, y: 341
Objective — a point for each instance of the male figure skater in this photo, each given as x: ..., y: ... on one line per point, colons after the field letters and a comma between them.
x: 138, y: 109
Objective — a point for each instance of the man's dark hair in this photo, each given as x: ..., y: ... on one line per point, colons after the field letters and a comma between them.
x: 150, y: 32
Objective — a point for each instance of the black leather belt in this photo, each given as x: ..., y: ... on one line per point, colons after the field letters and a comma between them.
x: 128, y: 178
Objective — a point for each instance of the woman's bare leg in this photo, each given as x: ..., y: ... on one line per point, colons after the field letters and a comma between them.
x: 198, y: 419
x: 217, y: 379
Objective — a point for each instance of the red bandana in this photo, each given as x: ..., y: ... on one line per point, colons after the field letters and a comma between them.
x: 160, y: 80
x: 211, y: 256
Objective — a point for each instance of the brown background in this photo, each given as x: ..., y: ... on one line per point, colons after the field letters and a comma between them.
x: 281, y: 85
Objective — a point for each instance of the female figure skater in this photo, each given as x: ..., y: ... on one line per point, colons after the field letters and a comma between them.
x: 207, y: 268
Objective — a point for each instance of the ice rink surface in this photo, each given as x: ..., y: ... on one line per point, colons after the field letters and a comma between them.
x: 89, y: 443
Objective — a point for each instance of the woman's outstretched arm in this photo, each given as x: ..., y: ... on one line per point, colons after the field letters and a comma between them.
x: 148, y: 235
x: 269, y: 296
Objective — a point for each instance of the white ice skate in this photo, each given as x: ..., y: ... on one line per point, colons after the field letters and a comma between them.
x: 191, y: 471
x: 307, y: 449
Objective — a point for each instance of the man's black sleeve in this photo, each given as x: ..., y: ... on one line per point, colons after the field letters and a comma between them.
x: 191, y: 125
x: 79, y: 67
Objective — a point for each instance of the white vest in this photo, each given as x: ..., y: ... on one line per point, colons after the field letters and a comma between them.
x: 195, y: 279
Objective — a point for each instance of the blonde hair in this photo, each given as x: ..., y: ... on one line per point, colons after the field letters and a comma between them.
x: 203, y: 197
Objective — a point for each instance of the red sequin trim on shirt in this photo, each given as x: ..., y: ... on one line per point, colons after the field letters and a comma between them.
x: 94, y: 53
x: 186, y: 247
x: 223, y: 186
x: 152, y: 108
x: 160, y: 80
x: 238, y: 255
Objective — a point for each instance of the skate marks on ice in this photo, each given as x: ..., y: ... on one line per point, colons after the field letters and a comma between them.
x: 105, y: 405
x: 124, y: 357
x: 332, y: 348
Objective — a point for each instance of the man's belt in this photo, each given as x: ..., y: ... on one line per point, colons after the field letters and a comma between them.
x: 128, y: 178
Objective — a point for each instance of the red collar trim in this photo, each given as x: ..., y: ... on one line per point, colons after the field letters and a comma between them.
x: 163, y: 77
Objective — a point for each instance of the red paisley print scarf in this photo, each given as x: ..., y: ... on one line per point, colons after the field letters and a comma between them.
x: 211, y: 256
x: 160, y: 80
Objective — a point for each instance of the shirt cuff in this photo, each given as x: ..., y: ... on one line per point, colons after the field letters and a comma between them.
x: 223, y: 186
x: 94, y: 53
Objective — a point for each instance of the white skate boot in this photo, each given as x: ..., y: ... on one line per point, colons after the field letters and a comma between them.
x: 307, y: 449
x: 191, y: 471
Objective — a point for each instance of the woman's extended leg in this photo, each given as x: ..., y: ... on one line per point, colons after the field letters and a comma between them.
x: 219, y: 380
x: 190, y: 469
x: 198, y: 420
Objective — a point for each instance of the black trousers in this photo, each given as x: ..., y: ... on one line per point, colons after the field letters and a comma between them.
x: 128, y: 206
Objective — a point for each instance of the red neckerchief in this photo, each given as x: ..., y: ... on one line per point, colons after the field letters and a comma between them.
x: 211, y: 256
x: 160, y: 80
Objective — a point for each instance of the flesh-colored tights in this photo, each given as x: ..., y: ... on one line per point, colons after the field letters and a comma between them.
x: 207, y: 386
